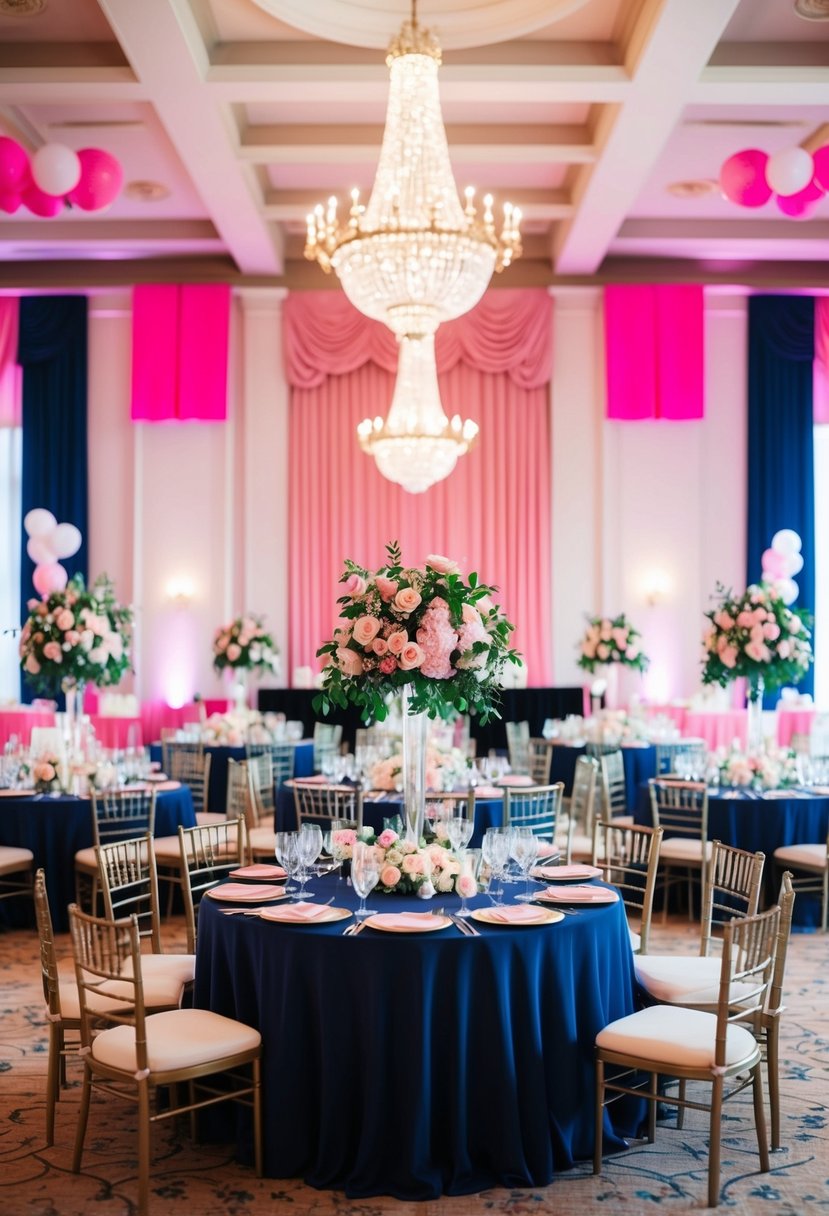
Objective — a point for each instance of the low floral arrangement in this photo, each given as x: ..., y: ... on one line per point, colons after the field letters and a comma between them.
x: 76, y: 636
x: 44, y: 772
x: 611, y: 640
x: 424, y: 629
x: 235, y: 728
x: 444, y: 770
x: 760, y: 771
x: 757, y: 636
x: 405, y: 867
x: 245, y: 645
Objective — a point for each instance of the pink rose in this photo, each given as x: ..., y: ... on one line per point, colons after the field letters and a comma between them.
x: 387, y: 838
x: 390, y: 876
x: 588, y: 649
x: 620, y: 637
x: 354, y: 585
x: 602, y: 651
x: 745, y: 619
x: 44, y: 771
x: 64, y: 620
x: 397, y: 641
x: 348, y: 661
x: 366, y: 629
x: 466, y: 886
x: 728, y: 656
x: 380, y: 646
x: 387, y: 588
x: 470, y: 614
x: 441, y: 565
x: 233, y: 652
x: 406, y: 600
x: 771, y: 630
x: 31, y: 665
x: 723, y: 620
x: 344, y: 836
x: 414, y: 863
x: 52, y: 651
x: 605, y: 630
x: 758, y: 652
x: 411, y: 656
x: 784, y: 648
x: 388, y: 665
x: 437, y: 639
x: 72, y: 637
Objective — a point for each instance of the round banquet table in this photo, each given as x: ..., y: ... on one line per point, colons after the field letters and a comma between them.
x: 217, y: 790
x: 755, y: 822
x: 489, y: 812
x: 55, y: 828
x: 639, y: 761
x: 416, y: 1065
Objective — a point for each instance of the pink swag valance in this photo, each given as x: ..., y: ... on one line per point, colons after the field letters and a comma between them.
x: 821, y: 398
x: 509, y: 331
x: 11, y: 375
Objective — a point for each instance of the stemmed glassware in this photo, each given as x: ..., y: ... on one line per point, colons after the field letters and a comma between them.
x: 495, y: 853
x: 466, y: 883
x: 365, y: 874
x: 309, y: 847
x: 288, y: 857
x: 459, y: 829
x: 524, y: 850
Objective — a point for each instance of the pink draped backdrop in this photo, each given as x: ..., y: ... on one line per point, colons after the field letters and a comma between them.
x: 654, y: 347
x: 492, y: 514
x: 821, y: 406
x: 11, y: 375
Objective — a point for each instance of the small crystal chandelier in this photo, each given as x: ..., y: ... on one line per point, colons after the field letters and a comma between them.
x: 412, y: 258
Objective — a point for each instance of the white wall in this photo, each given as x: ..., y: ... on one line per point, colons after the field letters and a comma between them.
x: 634, y: 505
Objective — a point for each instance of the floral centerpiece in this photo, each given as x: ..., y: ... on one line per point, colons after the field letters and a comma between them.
x: 45, y: 773
x: 235, y: 728
x: 245, y: 645
x: 759, y: 770
x: 404, y: 866
x: 444, y: 769
x: 757, y: 636
x: 611, y: 640
x: 76, y: 636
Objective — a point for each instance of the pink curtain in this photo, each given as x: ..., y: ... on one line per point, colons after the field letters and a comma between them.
x: 11, y: 374
x: 654, y: 351
x: 821, y: 387
x: 492, y: 514
x: 180, y: 352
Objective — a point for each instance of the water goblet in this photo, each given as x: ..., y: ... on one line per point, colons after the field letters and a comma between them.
x: 524, y: 850
x: 365, y: 874
x: 309, y: 847
x: 495, y: 853
x: 466, y: 884
x: 459, y: 830
x: 288, y: 858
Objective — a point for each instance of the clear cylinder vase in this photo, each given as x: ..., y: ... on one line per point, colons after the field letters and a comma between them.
x: 755, y: 738
x: 239, y: 688
x: 415, y: 735
x: 73, y: 691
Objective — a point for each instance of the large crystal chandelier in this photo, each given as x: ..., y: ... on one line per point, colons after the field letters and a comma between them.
x: 415, y: 256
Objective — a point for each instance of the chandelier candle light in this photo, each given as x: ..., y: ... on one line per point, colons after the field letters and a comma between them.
x: 413, y: 257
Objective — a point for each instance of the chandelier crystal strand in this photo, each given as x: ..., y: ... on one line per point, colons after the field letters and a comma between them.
x: 413, y: 257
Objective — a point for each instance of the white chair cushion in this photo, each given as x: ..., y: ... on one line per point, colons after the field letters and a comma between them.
x: 12, y: 858
x: 181, y: 1038
x: 676, y: 979
x: 683, y: 849
x: 802, y: 856
x: 667, y: 1035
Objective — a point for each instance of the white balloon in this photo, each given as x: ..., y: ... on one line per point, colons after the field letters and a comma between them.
x: 794, y: 564
x: 65, y: 540
x: 40, y: 550
x: 56, y: 169
x: 788, y: 590
x: 790, y: 171
x: 39, y: 522
x: 786, y: 541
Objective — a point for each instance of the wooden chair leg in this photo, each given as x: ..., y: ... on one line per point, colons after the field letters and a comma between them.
x: 773, y: 1069
x: 760, y: 1119
x: 715, y: 1131
x: 680, y: 1110
x: 652, y: 1100
x: 257, y: 1118
x: 83, y: 1117
x: 599, y: 1128
x: 143, y: 1148
x: 53, y: 1078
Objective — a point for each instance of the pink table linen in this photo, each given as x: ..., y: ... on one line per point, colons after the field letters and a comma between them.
x: 114, y: 732
x: 19, y: 722
x: 793, y: 722
x: 718, y: 729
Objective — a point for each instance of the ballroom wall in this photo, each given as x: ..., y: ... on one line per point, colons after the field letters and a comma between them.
x: 191, y: 519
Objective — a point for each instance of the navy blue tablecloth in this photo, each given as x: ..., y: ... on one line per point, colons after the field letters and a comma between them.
x: 752, y: 822
x: 56, y: 828
x: 418, y: 1065
x: 639, y: 762
x: 217, y: 790
x: 489, y: 812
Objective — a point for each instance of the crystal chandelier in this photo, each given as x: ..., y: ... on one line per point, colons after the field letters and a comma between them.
x: 412, y: 258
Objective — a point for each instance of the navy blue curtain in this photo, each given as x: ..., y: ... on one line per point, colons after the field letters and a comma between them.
x: 52, y: 350
x: 781, y: 478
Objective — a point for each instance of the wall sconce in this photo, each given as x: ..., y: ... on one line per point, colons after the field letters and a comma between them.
x: 658, y: 587
x: 180, y: 592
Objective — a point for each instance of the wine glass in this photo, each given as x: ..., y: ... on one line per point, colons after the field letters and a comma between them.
x: 524, y: 850
x: 495, y: 853
x: 286, y: 855
x: 459, y: 829
x: 365, y: 874
x: 309, y: 847
x: 466, y: 884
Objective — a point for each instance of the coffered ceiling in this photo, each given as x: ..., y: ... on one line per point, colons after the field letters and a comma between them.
x: 606, y: 121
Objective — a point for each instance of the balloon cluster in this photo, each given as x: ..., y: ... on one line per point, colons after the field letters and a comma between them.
x: 798, y: 179
x: 49, y: 540
x: 781, y: 562
x: 54, y: 175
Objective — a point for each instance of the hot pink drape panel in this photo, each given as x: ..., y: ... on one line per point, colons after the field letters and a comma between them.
x: 179, y: 352
x: 11, y: 374
x: 821, y: 394
x: 492, y: 514
x: 654, y: 351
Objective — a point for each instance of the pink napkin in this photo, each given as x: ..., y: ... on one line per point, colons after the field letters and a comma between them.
x: 401, y: 920
x: 488, y: 791
x: 316, y: 779
x: 303, y: 911
x: 546, y: 849
x: 245, y: 891
x: 562, y: 872
x: 581, y: 895
x: 259, y: 871
x: 513, y: 914
x: 515, y: 779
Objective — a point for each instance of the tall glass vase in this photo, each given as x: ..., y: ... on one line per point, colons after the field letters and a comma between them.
x: 239, y: 688
x: 755, y: 737
x: 415, y: 734
x: 73, y: 691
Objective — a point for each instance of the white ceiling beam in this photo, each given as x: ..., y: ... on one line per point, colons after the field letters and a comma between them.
x: 727, y: 231
x: 760, y: 85
x: 669, y: 47
x: 162, y: 42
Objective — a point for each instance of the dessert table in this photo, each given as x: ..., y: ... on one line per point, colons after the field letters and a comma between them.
x: 55, y: 828
x: 754, y: 821
x: 415, y: 1065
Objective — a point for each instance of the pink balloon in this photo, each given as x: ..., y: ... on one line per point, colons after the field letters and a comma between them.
x: 797, y: 206
x: 773, y: 564
x: 14, y: 165
x: 45, y: 205
x: 101, y: 180
x: 743, y: 178
x: 821, y: 159
x: 49, y: 578
x: 9, y: 201
x: 40, y: 550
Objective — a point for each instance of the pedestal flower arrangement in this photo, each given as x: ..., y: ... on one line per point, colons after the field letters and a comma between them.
x: 611, y: 639
x: 423, y: 633
x: 241, y: 647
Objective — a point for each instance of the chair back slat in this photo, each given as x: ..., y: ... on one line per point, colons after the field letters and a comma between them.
x: 680, y: 807
x: 746, y: 972
x: 541, y: 759
x: 129, y: 885
x: 536, y: 807
x: 122, y: 814
x: 48, y: 957
x: 190, y: 764
x: 108, y: 955
x: 318, y: 803
x: 731, y: 889
x: 518, y: 746
x: 209, y: 852
x: 629, y: 858
x: 613, y: 784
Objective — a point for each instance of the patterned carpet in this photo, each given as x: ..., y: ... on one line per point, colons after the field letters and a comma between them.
x: 204, y: 1180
